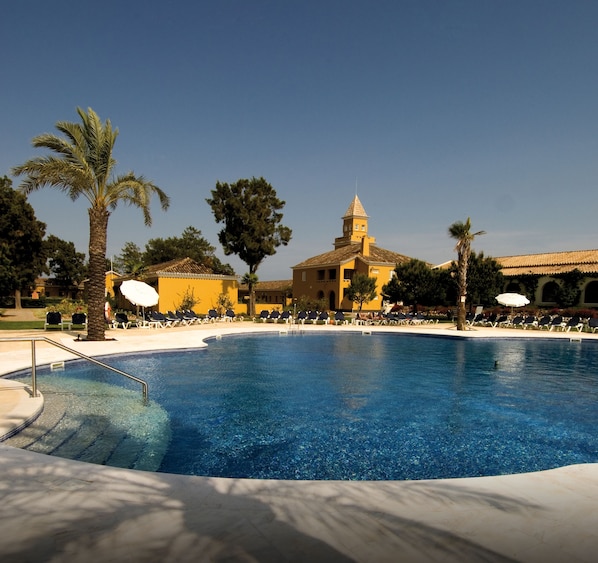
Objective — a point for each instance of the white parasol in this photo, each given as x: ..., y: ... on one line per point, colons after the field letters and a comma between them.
x: 139, y: 293
x: 512, y: 299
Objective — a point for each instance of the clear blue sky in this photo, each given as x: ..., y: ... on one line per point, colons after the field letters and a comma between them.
x: 432, y: 111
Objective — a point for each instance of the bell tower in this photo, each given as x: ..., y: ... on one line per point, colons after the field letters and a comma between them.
x: 355, y: 227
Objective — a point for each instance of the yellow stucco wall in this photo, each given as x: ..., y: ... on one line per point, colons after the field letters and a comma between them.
x: 204, y: 291
x: 312, y: 286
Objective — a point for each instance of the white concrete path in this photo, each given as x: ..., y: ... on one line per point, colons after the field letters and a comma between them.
x: 58, y: 510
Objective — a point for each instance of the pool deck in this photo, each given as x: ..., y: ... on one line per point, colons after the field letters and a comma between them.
x: 57, y: 510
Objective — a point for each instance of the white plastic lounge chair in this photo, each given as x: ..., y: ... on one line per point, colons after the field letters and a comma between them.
x: 54, y: 320
x: 574, y: 322
x: 530, y: 321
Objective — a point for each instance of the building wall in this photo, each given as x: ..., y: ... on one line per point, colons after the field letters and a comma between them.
x: 316, y: 283
x: 205, y: 291
x: 542, y: 296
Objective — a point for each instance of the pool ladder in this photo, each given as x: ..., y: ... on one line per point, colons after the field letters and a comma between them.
x: 34, y: 339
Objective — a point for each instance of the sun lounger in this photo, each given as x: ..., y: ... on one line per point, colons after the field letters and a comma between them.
x: 574, y: 322
x: 530, y: 321
x: 556, y: 322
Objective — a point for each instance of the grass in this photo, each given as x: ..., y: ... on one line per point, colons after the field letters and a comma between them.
x: 21, y: 325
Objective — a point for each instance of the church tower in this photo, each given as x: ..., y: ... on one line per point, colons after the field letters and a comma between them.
x: 355, y: 228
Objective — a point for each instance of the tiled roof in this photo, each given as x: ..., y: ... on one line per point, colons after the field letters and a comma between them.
x: 275, y: 285
x: 586, y: 261
x: 356, y: 209
x: 178, y: 266
x: 349, y: 252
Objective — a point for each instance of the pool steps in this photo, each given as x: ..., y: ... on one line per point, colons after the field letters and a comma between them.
x: 91, y: 439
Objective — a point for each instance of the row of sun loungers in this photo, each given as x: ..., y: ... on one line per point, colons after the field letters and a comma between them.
x: 155, y: 319
x: 548, y: 322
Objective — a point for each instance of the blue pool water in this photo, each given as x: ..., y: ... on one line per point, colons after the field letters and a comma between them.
x: 381, y: 406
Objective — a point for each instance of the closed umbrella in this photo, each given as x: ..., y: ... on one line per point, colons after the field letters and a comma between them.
x: 512, y: 299
x: 139, y: 293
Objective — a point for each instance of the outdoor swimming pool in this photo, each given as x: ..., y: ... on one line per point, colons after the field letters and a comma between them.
x: 369, y: 407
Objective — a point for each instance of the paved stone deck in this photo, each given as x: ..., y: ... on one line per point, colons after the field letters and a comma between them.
x: 58, y: 510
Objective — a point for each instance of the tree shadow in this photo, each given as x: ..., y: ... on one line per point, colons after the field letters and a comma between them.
x: 59, y: 510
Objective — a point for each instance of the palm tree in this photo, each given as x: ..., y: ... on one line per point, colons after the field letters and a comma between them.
x: 462, y: 233
x: 84, y: 166
x: 251, y: 280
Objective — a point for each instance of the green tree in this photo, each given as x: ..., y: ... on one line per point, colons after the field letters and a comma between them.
x: 484, y: 279
x: 569, y: 291
x: 65, y: 264
x: 21, y: 242
x: 362, y: 289
x: 130, y: 260
x: 250, y: 211
x: 191, y: 244
x: 414, y: 284
x: 83, y: 165
x: 461, y: 232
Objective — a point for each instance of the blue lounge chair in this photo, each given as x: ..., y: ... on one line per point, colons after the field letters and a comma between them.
x: 229, y: 315
x: 302, y: 317
x: 264, y: 315
x: 79, y: 320
x: 530, y: 321
x: 574, y: 322
x: 212, y: 316
x: 191, y: 316
x: 158, y: 320
x: 556, y: 322
x: 323, y: 317
x: 339, y: 318
x: 593, y: 324
x: 274, y: 316
x: 122, y: 321
x: 544, y: 322
x: 54, y: 320
x: 285, y: 316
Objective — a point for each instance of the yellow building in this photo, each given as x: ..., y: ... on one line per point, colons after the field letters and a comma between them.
x: 327, y: 276
x: 184, y: 278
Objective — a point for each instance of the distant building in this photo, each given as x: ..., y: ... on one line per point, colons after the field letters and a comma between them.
x: 327, y: 276
x: 269, y: 295
x: 547, y: 268
x: 176, y: 279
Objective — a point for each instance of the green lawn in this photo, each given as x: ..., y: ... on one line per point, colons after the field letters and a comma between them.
x: 21, y: 325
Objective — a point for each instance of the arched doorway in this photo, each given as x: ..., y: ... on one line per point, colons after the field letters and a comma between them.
x: 591, y: 292
x: 550, y: 292
x: 332, y: 301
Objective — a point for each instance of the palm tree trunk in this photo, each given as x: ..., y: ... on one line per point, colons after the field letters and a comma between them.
x: 463, y: 258
x: 96, y: 294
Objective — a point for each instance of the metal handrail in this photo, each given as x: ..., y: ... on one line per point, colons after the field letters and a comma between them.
x: 34, y: 339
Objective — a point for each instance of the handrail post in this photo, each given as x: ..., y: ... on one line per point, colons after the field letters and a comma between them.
x: 33, y: 372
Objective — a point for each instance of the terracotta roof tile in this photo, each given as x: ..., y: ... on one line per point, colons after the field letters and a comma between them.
x: 349, y: 252
x: 178, y: 266
x: 356, y: 209
x: 274, y: 285
x: 550, y: 263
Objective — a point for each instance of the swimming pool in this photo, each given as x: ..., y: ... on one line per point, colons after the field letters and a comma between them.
x: 380, y: 406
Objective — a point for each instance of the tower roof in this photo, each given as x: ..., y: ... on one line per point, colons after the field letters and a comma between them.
x: 355, y: 209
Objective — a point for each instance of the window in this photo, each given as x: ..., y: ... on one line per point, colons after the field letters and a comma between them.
x: 332, y: 274
x: 550, y: 292
x: 591, y: 293
x: 348, y: 274
x: 321, y: 275
x: 303, y: 276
